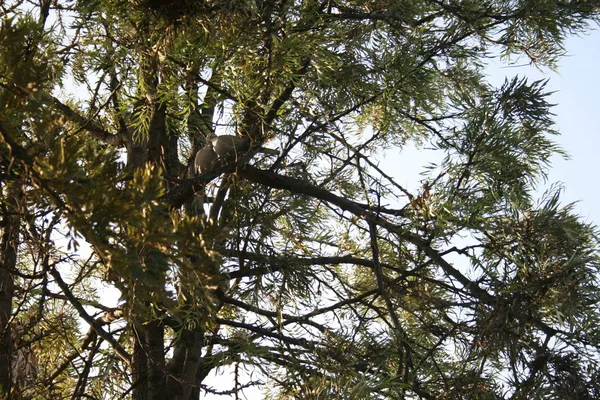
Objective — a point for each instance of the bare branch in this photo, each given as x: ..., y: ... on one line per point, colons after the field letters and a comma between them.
x: 96, y: 325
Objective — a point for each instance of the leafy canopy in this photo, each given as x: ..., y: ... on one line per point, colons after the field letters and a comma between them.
x: 313, y: 274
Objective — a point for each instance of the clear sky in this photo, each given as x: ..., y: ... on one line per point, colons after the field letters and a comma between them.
x: 577, y: 99
x: 578, y: 118
x: 576, y: 87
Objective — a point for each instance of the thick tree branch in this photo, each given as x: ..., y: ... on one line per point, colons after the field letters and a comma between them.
x: 87, y: 124
x: 277, y: 263
x: 285, y: 95
x: 293, y: 185
x: 273, y: 314
x: 266, y: 333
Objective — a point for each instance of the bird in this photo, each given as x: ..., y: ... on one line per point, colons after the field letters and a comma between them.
x: 205, y: 159
x: 226, y: 146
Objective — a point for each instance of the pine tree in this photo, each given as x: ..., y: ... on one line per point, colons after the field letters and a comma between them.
x: 307, y: 274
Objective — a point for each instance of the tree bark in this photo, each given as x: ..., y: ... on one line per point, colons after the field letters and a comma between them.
x: 8, y: 262
x: 149, y: 369
x: 154, y: 335
x: 139, y: 365
x: 183, y: 368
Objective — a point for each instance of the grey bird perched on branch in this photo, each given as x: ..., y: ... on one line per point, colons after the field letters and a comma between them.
x: 229, y: 145
x: 224, y: 146
x: 205, y: 159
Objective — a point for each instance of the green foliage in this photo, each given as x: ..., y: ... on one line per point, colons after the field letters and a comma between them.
x: 313, y: 274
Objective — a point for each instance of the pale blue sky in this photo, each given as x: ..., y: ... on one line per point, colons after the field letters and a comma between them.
x: 577, y: 116
x: 577, y: 99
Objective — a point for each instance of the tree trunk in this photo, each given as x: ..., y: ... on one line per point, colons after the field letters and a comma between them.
x: 154, y: 335
x: 183, y: 367
x: 8, y: 262
x: 139, y: 365
x: 149, y: 367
